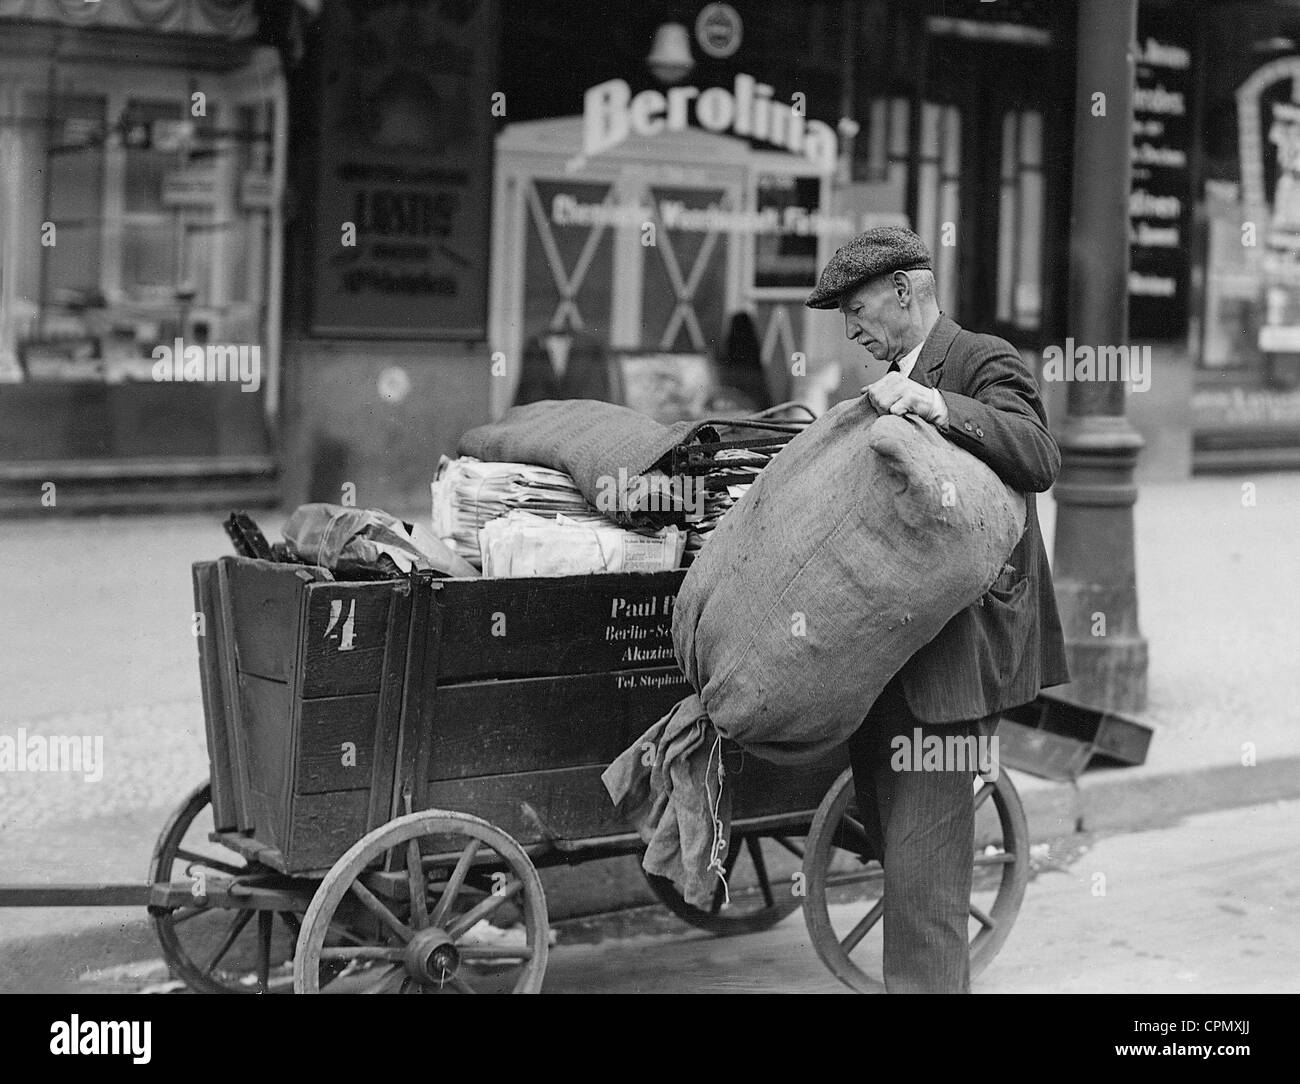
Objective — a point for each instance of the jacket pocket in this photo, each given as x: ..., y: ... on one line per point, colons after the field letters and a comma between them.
x: 1005, y: 615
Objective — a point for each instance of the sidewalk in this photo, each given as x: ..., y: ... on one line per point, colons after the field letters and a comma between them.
x: 1216, y: 588
x: 95, y: 637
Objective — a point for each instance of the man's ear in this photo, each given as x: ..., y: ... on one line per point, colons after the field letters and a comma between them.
x: 902, y: 287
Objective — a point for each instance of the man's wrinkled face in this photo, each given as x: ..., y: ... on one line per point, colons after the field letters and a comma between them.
x: 874, y: 318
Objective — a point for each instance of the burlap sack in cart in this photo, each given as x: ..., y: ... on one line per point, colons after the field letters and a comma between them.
x: 588, y: 440
x: 856, y: 545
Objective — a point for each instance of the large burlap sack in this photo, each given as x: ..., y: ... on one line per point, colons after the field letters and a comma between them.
x: 851, y: 551
x: 856, y: 545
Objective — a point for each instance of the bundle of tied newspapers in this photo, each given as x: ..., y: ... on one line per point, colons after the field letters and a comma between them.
x: 573, y: 486
x: 517, y: 519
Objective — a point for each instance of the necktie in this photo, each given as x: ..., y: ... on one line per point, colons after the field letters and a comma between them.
x: 894, y: 367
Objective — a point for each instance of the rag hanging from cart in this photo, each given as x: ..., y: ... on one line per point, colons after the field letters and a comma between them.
x: 851, y: 551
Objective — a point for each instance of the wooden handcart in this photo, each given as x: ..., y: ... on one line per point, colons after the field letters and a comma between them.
x: 392, y: 763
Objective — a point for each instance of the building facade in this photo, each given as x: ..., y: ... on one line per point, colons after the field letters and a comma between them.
x: 141, y: 149
x: 658, y: 168
x: 442, y: 208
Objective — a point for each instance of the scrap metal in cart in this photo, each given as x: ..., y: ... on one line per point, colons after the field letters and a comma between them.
x: 392, y: 763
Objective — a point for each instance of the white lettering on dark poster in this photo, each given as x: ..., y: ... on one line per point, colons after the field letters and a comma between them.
x: 1160, y: 193
x: 401, y: 231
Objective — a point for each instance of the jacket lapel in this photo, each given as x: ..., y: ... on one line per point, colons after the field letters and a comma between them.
x: 929, y: 364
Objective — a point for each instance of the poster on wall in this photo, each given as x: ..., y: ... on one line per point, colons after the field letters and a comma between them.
x: 406, y: 136
x: 1160, y: 196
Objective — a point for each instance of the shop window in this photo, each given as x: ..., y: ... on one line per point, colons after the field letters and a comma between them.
x: 1020, y: 220
x: 1251, y: 163
x: 65, y: 263
x: 168, y: 178
x: 159, y: 227
x: 1231, y: 283
x: 245, y: 234
x: 1244, y: 151
x: 938, y: 192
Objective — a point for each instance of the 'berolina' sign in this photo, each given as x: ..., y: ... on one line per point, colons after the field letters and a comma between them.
x: 611, y: 114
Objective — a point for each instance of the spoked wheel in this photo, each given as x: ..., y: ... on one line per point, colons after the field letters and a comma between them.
x: 430, y: 932
x: 758, y: 900
x: 211, y: 949
x: 846, y: 901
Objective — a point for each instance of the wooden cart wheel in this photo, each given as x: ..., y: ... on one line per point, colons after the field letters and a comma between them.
x: 429, y: 936
x: 846, y: 894
x: 211, y: 949
x: 752, y: 908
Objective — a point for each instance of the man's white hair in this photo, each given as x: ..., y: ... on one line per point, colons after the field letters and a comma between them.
x: 923, y: 283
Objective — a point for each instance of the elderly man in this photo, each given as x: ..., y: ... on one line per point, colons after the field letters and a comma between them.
x: 990, y: 657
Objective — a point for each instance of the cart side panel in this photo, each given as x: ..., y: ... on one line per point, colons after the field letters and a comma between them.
x: 268, y: 716
x: 391, y: 703
x: 265, y: 600
x: 336, y: 743
x: 555, y: 625
x: 236, y: 733
x: 217, y: 724
x: 323, y: 827
x: 262, y: 605
x: 534, y: 724
x: 347, y: 630
x: 353, y: 658
x: 563, y: 804
x: 299, y: 641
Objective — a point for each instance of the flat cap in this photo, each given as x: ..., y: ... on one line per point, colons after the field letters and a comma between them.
x: 879, y: 251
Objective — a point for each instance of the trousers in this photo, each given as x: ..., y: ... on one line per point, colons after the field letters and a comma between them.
x: 920, y: 824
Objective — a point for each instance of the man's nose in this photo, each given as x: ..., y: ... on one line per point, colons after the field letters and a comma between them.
x: 850, y: 328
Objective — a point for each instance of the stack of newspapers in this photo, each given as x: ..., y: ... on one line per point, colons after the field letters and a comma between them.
x: 516, y: 519
x: 468, y: 493
x: 524, y: 544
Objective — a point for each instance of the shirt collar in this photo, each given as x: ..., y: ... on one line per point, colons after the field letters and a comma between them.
x: 908, y: 361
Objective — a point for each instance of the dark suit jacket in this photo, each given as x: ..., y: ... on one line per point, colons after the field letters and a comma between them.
x: 999, y: 652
